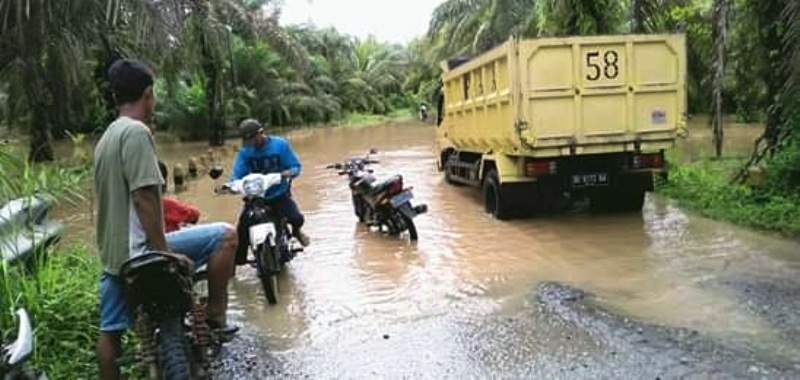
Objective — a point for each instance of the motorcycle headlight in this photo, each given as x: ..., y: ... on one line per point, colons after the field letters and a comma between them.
x: 254, y: 186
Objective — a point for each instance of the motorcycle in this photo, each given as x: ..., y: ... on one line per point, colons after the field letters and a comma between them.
x: 269, y: 234
x: 168, y: 306
x: 382, y: 204
x: 14, y: 356
x: 423, y: 114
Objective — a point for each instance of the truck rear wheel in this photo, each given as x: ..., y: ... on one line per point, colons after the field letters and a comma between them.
x: 495, y: 202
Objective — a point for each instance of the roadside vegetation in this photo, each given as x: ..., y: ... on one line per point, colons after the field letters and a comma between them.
x: 58, y: 289
x: 60, y: 295
x: 216, y: 61
x: 705, y: 186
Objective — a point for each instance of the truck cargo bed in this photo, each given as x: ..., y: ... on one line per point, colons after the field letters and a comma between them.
x: 566, y: 96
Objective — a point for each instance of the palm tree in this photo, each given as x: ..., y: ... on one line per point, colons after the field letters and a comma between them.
x: 207, y: 35
x: 359, y: 74
x: 779, y: 43
x: 43, y: 50
x: 720, y: 10
x: 474, y: 26
x: 580, y: 17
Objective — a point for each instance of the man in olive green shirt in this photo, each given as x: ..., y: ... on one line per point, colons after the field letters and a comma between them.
x: 127, y: 184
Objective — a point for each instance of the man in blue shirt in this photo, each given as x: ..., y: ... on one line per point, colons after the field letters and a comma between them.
x: 261, y: 153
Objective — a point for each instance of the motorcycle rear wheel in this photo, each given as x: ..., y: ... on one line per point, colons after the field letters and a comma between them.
x: 412, y: 228
x: 400, y: 222
x: 173, y: 353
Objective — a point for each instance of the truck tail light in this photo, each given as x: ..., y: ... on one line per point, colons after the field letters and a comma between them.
x: 541, y: 168
x: 643, y: 161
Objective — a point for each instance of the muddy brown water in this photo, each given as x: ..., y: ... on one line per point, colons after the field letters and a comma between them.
x: 352, y: 286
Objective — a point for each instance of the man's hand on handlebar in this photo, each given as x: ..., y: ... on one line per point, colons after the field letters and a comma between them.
x: 224, y: 189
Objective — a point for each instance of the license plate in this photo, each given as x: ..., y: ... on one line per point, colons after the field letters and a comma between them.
x: 401, y: 198
x: 260, y: 232
x: 586, y: 180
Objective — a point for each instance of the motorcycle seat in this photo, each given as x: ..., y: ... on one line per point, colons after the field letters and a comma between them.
x: 384, y: 185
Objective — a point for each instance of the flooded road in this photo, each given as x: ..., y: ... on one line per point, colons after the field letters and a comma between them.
x: 462, y: 302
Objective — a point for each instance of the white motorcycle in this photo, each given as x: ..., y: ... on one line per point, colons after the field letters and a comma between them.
x: 269, y: 234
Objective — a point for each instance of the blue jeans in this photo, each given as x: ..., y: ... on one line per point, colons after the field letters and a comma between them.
x: 200, y: 243
x: 287, y: 206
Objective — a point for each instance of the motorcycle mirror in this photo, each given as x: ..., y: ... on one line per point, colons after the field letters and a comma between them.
x: 215, y: 172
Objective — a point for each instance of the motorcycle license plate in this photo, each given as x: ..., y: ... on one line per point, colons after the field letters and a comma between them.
x: 401, y: 198
x: 260, y: 232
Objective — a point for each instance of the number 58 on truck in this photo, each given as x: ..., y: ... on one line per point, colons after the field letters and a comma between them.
x: 538, y: 122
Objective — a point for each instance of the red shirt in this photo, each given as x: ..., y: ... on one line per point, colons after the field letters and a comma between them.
x: 177, y: 214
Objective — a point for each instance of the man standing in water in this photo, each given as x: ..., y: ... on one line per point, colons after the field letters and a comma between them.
x: 130, y: 220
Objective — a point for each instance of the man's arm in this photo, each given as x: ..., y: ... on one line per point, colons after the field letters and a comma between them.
x: 291, y: 163
x: 178, y: 213
x: 192, y: 214
x: 239, y: 166
x: 140, y: 167
x: 188, y: 214
x: 147, y: 203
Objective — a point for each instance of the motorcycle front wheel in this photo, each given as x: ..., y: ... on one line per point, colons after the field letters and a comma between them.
x: 172, y: 351
x: 359, y: 208
x: 265, y: 263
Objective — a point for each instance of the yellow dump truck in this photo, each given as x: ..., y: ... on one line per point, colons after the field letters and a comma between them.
x: 540, y: 122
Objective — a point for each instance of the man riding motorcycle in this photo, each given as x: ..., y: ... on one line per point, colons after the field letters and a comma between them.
x: 264, y: 154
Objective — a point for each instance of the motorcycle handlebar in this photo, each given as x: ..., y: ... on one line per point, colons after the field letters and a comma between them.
x: 223, y: 190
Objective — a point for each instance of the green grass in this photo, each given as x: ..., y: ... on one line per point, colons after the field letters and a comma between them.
x: 360, y: 120
x: 705, y: 186
x: 59, y: 182
x: 61, y: 296
x: 59, y: 289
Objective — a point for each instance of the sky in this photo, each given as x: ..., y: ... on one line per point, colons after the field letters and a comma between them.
x: 397, y: 21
